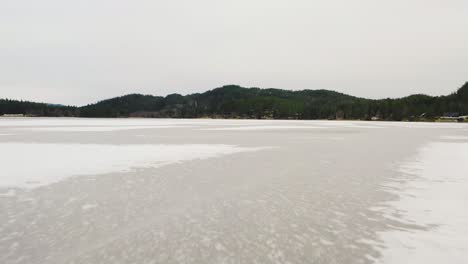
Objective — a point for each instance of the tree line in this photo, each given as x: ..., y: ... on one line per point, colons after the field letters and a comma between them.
x: 233, y: 101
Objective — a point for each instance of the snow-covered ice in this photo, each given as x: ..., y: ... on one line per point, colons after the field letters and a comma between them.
x: 29, y: 165
x: 267, y: 127
x: 455, y: 137
x: 97, y: 128
x: 436, y: 198
x: 87, y: 207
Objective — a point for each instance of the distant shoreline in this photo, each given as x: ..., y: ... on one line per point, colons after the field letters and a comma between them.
x: 209, y: 118
x: 235, y: 102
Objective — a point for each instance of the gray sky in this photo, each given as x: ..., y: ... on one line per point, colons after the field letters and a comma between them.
x: 78, y: 52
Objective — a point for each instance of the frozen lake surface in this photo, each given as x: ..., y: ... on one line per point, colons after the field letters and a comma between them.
x: 232, y: 191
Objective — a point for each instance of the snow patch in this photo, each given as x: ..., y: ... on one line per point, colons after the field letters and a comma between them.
x: 250, y: 128
x: 9, y: 193
x: 455, y: 137
x: 87, y: 207
x: 95, y: 128
x: 30, y: 165
x: 437, y: 201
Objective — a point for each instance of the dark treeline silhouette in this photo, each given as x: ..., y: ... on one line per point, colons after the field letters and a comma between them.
x: 233, y: 101
x: 35, y: 109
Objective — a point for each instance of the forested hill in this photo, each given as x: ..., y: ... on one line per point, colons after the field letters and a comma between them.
x: 35, y: 109
x: 237, y: 102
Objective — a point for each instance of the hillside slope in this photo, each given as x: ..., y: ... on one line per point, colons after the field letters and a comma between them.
x: 237, y: 102
x: 233, y: 101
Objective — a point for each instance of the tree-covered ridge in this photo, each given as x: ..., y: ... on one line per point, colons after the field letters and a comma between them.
x: 8, y: 106
x: 233, y: 101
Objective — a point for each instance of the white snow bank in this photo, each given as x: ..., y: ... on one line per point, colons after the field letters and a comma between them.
x: 438, y: 200
x: 31, y: 165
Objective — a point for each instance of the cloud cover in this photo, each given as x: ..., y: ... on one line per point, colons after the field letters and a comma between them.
x: 78, y: 52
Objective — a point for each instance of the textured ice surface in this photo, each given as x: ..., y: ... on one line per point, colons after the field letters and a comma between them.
x: 332, y: 194
x: 437, y: 200
x: 31, y: 165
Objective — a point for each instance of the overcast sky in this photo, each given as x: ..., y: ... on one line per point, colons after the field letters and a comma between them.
x: 78, y: 52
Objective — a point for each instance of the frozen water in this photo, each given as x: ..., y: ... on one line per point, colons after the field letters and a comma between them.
x: 196, y: 191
